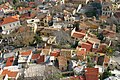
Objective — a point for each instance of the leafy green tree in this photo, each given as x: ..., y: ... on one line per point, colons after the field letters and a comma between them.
x: 32, y: 0
x: 90, y: 64
x: 100, y: 36
x: 106, y: 74
x: 15, y: 1
x: 76, y: 25
x: 37, y: 39
x: 75, y: 45
x: 0, y: 36
x: 109, y: 51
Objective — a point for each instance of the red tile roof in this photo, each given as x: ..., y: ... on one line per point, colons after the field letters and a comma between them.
x: 82, y: 31
x: 26, y: 16
x: 22, y: 9
x: 91, y: 73
x: 9, y: 73
x: 55, y: 53
x: 9, y: 61
x: 27, y: 53
x: 41, y: 59
x: 35, y: 56
x: 93, y: 40
x: 78, y: 35
x: 9, y: 20
x: 87, y: 46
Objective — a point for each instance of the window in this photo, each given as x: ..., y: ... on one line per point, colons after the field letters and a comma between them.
x: 17, y: 23
x: 3, y: 26
x: 45, y: 21
x: 13, y: 24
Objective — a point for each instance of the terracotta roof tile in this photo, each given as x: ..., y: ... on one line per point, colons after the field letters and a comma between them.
x: 9, y: 73
x: 87, y: 46
x: 22, y: 8
x: 92, y: 35
x: 9, y: 61
x: 91, y: 73
x: 82, y: 31
x: 26, y: 16
x: 55, y: 53
x: 9, y: 20
x: 35, y: 56
x: 78, y: 35
x: 27, y: 53
x: 93, y: 40
x: 41, y: 59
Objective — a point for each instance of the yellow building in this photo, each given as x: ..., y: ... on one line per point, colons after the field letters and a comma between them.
x: 115, y: 6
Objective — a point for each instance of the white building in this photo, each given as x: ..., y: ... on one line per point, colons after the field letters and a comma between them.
x: 25, y: 57
x: 9, y: 24
x: 106, y: 9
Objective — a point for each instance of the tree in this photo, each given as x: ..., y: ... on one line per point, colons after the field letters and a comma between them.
x: 76, y: 25
x: 32, y: 0
x: 106, y: 74
x: 37, y: 39
x: 0, y: 36
x: 109, y: 51
x: 75, y: 45
x: 100, y: 36
x: 90, y: 64
x: 15, y: 1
